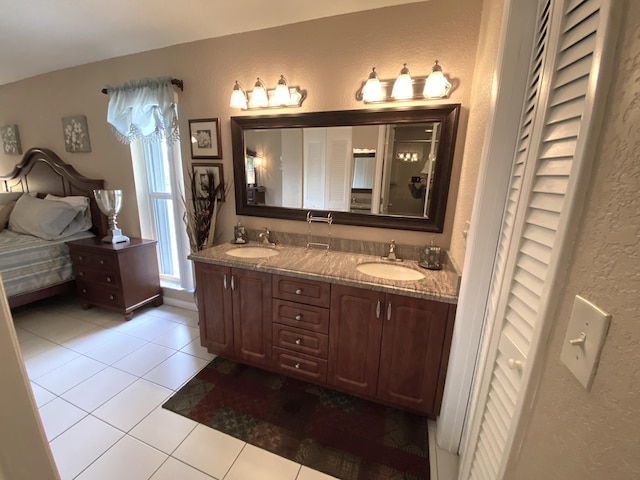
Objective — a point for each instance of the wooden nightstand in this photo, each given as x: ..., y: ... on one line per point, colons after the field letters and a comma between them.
x: 120, y: 277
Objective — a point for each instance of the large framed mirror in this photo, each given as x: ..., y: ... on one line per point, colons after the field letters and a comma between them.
x: 388, y: 168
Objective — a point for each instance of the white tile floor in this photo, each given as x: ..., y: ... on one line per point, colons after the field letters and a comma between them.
x: 99, y: 383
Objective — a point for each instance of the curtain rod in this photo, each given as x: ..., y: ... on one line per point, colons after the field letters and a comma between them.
x: 177, y: 82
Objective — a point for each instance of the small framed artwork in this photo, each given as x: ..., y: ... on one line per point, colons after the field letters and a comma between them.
x: 205, y: 138
x: 76, y: 134
x: 10, y: 140
x: 208, y: 180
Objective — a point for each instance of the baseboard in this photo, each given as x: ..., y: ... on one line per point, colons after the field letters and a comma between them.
x: 174, y: 302
x: 443, y: 465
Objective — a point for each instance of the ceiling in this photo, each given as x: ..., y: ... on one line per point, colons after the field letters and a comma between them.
x: 39, y: 36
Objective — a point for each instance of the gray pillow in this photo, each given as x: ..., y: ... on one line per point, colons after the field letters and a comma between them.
x: 44, y: 218
x: 6, y: 197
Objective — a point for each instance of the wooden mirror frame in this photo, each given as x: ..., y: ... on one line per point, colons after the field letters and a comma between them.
x: 448, y: 115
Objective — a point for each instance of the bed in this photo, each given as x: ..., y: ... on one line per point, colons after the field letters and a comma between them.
x: 33, y: 268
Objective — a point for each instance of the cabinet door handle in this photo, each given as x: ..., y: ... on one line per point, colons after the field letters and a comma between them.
x: 233, y: 282
x: 298, y: 317
x: 378, y: 310
x: 297, y: 365
x: 108, y: 279
x: 111, y: 297
x: 298, y: 341
x: 298, y: 291
x: 389, y: 311
x: 224, y: 281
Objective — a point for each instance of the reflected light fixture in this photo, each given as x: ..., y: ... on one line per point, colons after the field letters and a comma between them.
x: 282, y: 96
x: 436, y: 85
x: 238, y: 97
x: 403, y: 86
x: 259, y: 97
x: 372, y: 90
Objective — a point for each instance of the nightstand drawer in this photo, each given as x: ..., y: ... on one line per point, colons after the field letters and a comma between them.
x: 302, y: 341
x: 99, y: 295
x: 93, y: 260
x: 94, y: 276
x: 300, y: 365
x: 301, y: 290
x: 300, y: 315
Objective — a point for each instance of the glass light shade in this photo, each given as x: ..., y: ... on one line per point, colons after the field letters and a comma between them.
x: 238, y: 97
x: 259, y: 97
x: 282, y: 95
x: 372, y: 91
x: 436, y: 85
x: 110, y: 202
x: 403, y: 86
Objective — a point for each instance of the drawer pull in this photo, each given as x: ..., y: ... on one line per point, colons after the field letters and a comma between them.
x: 297, y: 365
x: 224, y: 281
x: 81, y: 274
x: 84, y: 290
x: 80, y: 257
x: 389, y: 311
x: 111, y: 297
x: 378, y: 310
x: 108, y: 279
x: 298, y: 291
x: 298, y: 317
x: 298, y: 341
x: 101, y: 262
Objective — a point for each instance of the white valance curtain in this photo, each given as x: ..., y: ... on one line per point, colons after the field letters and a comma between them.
x: 144, y: 109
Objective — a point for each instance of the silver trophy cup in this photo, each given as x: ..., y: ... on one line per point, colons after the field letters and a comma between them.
x: 110, y: 202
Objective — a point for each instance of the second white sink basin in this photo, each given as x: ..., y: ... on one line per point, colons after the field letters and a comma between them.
x: 252, y: 252
x: 390, y: 271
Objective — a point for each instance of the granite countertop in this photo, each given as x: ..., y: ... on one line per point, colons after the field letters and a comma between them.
x: 340, y: 268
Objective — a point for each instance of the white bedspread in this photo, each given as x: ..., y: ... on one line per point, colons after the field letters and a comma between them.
x: 29, y: 263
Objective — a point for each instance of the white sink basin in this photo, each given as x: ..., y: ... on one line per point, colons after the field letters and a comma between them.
x: 390, y: 271
x: 252, y: 252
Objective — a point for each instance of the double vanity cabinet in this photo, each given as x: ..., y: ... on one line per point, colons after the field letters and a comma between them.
x: 383, y: 346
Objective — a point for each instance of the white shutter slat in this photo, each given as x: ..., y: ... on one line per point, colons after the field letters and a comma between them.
x: 574, y: 71
x: 564, y: 129
x: 564, y: 111
x: 579, y: 12
x: 578, y: 51
x: 533, y: 266
x: 536, y: 250
x: 545, y: 201
x: 544, y: 219
x: 555, y: 168
x: 582, y: 29
x: 545, y: 184
x: 570, y: 91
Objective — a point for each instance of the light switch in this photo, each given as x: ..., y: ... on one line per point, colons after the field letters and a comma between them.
x: 585, y: 337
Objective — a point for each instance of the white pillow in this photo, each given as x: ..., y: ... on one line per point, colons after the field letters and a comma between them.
x: 79, y: 201
x: 45, y: 219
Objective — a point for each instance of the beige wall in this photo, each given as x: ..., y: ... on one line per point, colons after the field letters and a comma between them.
x: 595, y: 435
x: 329, y: 58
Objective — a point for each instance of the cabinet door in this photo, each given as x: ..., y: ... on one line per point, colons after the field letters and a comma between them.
x: 355, y: 327
x: 252, y: 316
x: 413, y: 335
x: 213, y: 290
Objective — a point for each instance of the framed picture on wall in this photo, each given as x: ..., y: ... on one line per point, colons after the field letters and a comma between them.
x: 205, y: 138
x: 76, y: 134
x: 10, y: 140
x: 207, y: 180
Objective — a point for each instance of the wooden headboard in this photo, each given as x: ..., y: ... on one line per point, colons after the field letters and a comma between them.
x: 42, y: 171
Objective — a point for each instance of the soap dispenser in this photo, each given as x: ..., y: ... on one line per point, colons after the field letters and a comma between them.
x: 430, y: 257
x: 239, y: 234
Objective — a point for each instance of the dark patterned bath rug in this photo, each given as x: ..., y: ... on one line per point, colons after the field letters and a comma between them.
x: 340, y: 435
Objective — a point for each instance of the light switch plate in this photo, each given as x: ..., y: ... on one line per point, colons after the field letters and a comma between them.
x: 590, y: 323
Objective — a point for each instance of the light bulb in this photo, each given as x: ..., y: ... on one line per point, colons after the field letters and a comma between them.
x: 238, y: 97
x: 372, y: 91
x: 403, y: 86
x: 436, y: 85
x: 282, y: 95
x: 259, y: 96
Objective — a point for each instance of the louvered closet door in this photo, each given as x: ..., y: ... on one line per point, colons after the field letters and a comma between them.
x: 555, y: 123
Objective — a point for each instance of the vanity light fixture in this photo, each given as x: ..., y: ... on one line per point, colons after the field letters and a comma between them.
x: 405, y: 87
x: 408, y: 156
x: 436, y: 85
x: 261, y: 97
x: 238, y: 97
x: 372, y: 90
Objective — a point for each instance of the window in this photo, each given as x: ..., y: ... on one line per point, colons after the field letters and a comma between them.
x: 158, y: 178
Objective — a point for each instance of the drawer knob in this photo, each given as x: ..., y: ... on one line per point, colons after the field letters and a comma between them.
x: 108, y: 279
x: 80, y: 257
x: 81, y: 274
x: 101, y: 262
x: 298, y: 291
x: 298, y: 341
x: 297, y: 365
x: 299, y: 317
x: 111, y: 297
x: 84, y: 290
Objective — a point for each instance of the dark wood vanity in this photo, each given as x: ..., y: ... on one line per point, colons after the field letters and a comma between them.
x: 386, y: 347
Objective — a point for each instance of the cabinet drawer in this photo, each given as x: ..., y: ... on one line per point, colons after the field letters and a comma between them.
x: 300, y: 365
x: 98, y: 294
x: 94, y: 260
x: 302, y: 341
x: 97, y: 276
x: 301, y: 290
x: 300, y: 315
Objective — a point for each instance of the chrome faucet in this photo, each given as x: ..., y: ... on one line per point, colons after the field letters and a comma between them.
x: 392, y: 252
x: 264, y: 237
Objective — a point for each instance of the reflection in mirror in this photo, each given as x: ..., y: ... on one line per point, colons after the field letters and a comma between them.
x: 388, y: 168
